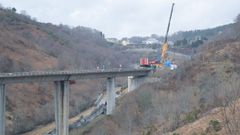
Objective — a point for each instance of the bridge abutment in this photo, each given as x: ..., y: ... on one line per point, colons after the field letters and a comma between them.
x: 62, y: 107
x: 111, y: 95
x: 2, y: 109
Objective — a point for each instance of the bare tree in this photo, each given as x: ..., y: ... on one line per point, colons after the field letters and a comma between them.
x: 237, y: 20
x: 231, y: 109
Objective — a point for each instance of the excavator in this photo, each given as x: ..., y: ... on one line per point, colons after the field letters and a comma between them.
x: 164, y: 61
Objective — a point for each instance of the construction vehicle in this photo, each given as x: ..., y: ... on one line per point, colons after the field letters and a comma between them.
x: 163, y: 61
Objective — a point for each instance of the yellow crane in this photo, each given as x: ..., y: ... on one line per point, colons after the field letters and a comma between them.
x: 160, y: 63
x: 165, y: 43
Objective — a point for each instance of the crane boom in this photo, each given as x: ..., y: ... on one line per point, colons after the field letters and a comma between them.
x: 169, y: 23
x: 165, y: 44
x: 160, y: 62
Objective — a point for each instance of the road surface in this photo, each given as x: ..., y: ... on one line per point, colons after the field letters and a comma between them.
x: 41, y: 130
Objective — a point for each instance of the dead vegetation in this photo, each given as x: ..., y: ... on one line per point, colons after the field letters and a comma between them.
x: 27, y: 45
x: 209, y: 81
x: 157, y: 108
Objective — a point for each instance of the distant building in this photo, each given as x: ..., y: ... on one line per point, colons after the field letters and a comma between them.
x: 151, y: 41
x: 170, y: 43
x: 220, y: 32
x: 113, y: 40
x: 197, y: 38
x: 125, y: 42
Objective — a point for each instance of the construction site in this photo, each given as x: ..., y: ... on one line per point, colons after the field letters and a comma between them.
x: 120, y: 68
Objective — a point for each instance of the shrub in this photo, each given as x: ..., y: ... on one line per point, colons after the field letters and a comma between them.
x: 144, y: 100
x: 194, y: 133
x: 149, y: 130
x: 215, y: 125
x: 192, y: 116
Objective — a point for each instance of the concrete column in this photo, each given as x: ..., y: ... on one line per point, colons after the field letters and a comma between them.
x: 131, y: 83
x: 2, y: 109
x: 61, y: 107
x: 111, y: 95
x: 134, y: 82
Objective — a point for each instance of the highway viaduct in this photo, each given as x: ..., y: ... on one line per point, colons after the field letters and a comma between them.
x: 61, y: 93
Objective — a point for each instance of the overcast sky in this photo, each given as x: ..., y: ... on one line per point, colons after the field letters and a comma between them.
x: 121, y: 18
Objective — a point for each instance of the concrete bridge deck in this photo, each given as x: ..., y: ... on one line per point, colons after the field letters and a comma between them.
x: 46, y: 76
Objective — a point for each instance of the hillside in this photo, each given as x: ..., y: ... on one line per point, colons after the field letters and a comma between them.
x: 209, y: 34
x: 47, y: 40
x: 186, y: 42
x: 211, y: 79
x: 27, y: 45
x: 214, y: 122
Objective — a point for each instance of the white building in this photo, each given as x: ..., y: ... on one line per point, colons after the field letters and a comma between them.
x: 113, y: 40
x: 151, y: 41
x: 125, y: 42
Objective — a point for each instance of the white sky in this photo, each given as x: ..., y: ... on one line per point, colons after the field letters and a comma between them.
x: 131, y: 17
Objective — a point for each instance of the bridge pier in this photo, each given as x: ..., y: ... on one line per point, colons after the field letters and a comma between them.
x: 111, y: 95
x: 2, y: 109
x: 62, y: 107
x: 134, y: 82
x: 131, y: 84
